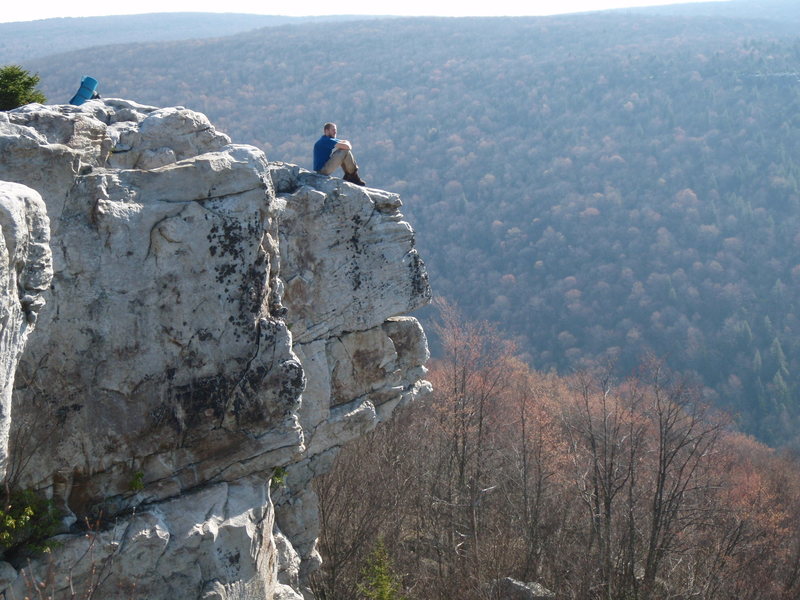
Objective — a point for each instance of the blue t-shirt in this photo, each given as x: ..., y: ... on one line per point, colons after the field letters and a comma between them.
x: 323, y: 150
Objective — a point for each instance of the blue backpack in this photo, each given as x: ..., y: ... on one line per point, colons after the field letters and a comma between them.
x: 87, y: 91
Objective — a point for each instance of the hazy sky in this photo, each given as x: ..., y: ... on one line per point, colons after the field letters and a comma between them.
x: 21, y: 11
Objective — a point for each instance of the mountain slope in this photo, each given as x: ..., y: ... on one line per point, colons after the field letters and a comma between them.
x: 603, y: 186
x: 26, y: 40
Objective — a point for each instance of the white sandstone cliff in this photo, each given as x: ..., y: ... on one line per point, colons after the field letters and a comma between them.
x: 25, y: 273
x: 197, y: 292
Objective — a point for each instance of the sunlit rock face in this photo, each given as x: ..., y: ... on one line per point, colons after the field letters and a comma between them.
x: 211, y: 319
x: 348, y: 262
x: 25, y: 274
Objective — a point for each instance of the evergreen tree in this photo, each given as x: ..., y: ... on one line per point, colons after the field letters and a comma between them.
x: 18, y: 87
x: 378, y: 580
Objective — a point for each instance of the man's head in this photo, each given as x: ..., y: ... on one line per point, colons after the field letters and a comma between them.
x: 329, y: 129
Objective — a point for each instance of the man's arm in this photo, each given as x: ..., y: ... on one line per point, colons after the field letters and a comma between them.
x: 343, y: 145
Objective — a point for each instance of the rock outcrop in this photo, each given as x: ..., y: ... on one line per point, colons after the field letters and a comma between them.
x: 212, y: 320
x: 509, y: 588
x: 25, y: 273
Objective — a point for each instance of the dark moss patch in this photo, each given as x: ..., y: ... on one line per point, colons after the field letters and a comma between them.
x: 202, y: 401
x: 419, y: 277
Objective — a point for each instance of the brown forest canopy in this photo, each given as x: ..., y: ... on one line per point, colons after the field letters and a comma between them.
x: 596, y: 488
x: 601, y: 186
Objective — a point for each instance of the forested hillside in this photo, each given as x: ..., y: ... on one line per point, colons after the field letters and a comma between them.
x: 601, y: 186
x: 594, y: 487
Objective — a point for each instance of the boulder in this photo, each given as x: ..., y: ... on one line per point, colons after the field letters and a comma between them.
x: 508, y: 588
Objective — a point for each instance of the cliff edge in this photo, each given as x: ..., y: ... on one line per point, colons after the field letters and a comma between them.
x: 213, y: 320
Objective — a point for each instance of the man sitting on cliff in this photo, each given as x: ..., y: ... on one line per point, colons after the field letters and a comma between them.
x: 330, y: 153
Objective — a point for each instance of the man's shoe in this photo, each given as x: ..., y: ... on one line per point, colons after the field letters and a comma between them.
x: 354, y: 178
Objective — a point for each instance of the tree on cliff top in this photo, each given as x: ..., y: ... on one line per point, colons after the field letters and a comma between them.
x: 18, y: 87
